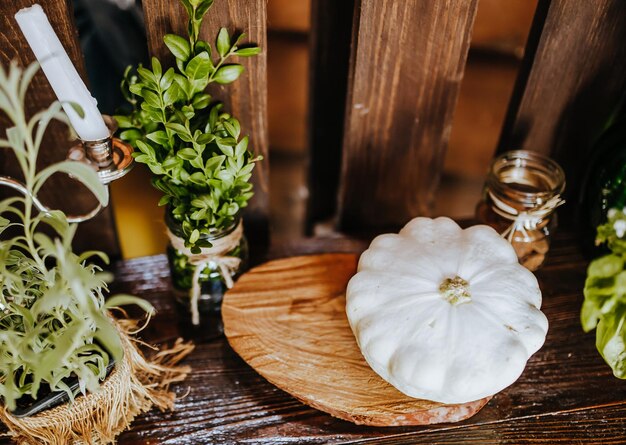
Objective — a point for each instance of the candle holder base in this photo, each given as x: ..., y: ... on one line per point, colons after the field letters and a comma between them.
x: 120, y: 159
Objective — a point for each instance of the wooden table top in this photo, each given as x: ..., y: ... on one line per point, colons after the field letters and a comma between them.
x: 567, y: 394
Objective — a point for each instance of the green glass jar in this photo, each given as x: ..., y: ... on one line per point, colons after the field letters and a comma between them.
x: 604, y: 186
x: 208, y: 274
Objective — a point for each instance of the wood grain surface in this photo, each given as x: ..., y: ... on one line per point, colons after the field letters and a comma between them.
x: 566, y: 395
x: 287, y: 320
x: 246, y: 98
x: 60, y: 191
x: 407, y: 64
x: 573, y: 76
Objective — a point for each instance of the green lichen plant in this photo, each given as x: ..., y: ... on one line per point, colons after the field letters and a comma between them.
x: 54, y: 321
x: 199, y: 158
x: 604, y: 308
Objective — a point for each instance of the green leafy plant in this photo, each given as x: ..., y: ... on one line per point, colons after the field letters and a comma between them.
x: 199, y: 158
x: 604, y: 307
x: 54, y: 321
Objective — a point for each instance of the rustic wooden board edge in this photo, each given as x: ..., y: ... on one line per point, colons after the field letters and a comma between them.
x: 406, y: 66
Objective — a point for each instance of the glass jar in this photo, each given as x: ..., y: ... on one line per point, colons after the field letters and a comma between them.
x: 211, y: 280
x: 522, y: 191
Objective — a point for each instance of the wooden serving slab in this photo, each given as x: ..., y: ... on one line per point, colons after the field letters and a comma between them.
x: 287, y: 320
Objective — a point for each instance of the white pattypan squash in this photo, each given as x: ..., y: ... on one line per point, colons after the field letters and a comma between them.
x: 445, y: 314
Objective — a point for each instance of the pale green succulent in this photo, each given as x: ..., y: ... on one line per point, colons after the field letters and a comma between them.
x: 54, y: 320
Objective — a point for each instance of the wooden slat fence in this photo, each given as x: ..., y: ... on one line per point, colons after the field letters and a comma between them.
x: 385, y: 80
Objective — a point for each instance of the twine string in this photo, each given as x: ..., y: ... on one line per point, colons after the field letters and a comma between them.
x: 227, y: 265
x: 525, y: 220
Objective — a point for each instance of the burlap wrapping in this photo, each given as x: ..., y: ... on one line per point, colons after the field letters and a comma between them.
x: 228, y: 265
x: 135, y: 385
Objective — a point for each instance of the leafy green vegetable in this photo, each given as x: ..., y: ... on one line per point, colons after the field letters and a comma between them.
x: 611, y: 340
x: 604, y: 308
x: 54, y: 322
x: 612, y: 232
x: 195, y: 150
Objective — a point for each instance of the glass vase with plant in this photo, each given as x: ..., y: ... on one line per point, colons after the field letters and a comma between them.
x: 198, y: 156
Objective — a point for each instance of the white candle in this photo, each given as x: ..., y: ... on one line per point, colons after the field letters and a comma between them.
x: 61, y: 73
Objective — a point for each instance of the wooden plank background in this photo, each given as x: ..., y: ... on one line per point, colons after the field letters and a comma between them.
x: 573, y: 75
x: 406, y: 68
x: 61, y: 192
x: 247, y: 97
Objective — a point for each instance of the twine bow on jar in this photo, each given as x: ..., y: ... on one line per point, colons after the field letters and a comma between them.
x: 227, y: 265
x: 525, y: 220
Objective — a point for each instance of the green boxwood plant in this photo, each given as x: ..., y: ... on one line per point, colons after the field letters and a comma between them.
x: 199, y: 158
x: 54, y: 321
